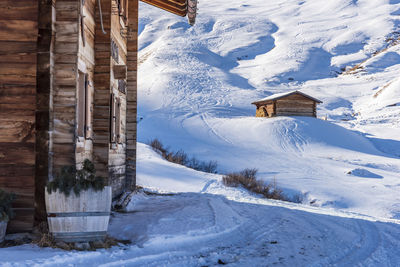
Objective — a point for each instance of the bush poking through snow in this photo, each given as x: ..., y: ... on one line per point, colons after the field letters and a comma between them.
x: 248, y: 180
x: 6, y: 199
x: 71, y: 179
x: 180, y: 157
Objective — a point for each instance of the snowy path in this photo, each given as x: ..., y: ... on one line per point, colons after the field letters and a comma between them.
x: 193, y: 229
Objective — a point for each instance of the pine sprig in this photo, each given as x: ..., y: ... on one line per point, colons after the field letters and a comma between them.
x: 6, y: 199
x: 71, y: 179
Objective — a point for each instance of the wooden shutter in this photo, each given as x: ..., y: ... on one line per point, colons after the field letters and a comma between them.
x: 118, y: 121
x: 80, y: 110
x: 113, y: 113
x: 89, y: 110
x: 124, y: 10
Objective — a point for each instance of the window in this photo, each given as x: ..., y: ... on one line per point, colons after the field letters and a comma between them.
x: 84, y: 107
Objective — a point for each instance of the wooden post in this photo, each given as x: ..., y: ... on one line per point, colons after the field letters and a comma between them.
x: 101, y: 107
x: 62, y: 140
x: 43, y: 105
x: 131, y: 105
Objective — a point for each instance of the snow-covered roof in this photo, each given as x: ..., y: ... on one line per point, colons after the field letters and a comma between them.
x: 281, y: 95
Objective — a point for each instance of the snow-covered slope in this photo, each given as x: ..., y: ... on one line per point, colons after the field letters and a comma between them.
x: 196, y: 85
x: 195, y: 89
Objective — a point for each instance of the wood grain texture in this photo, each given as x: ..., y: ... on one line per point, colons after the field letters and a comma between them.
x: 18, y: 73
x: 291, y: 105
x: 131, y: 96
x: 87, y: 202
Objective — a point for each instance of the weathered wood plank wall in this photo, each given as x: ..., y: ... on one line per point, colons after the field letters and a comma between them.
x: 18, y: 45
x: 101, y: 108
x: 111, y: 49
x: 45, y: 63
x: 295, y: 105
x: 62, y: 139
x: 86, y: 65
x: 116, y: 153
x: 131, y: 110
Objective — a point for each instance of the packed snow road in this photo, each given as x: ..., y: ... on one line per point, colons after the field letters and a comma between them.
x: 194, y: 229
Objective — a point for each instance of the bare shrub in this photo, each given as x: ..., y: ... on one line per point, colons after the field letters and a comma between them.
x: 157, y: 146
x: 248, y: 180
x: 210, y: 167
x: 180, y: 157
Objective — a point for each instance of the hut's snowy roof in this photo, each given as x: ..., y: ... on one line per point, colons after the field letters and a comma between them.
x: 281, y: 95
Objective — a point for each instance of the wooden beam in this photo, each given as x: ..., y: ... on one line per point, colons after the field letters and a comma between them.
x: 177, y: 7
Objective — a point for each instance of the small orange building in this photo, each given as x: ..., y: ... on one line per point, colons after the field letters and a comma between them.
x: 294, y: 103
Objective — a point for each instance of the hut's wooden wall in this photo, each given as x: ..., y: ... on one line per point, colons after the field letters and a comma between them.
x: 18, y: 57
x: 131, y: 110
x: 110, y: 156
x: 295, y: 105
x: 63, y: 115
x: 101, y: 108
x: 86, y: 65
x: 41, y: 54
x: 116, y: 153
x: 45, y: 64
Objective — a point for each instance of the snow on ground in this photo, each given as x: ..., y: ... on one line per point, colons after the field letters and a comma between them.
x: 212, y: 223
x: 195, y: 89
x: 208, y: 75
x: 227, y: 225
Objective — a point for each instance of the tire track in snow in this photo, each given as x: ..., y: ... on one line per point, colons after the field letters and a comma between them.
x: 363, y: 248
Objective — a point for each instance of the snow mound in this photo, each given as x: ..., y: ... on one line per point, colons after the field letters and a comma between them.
x: 286, y: 134
x: 364, y: 173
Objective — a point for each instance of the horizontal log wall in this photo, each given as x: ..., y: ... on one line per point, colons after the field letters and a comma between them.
x: 295, y: 105
x: 101, y: 112
x: 86, y: 63
x: 18, y: 46
x: 45, y: 64
x: 131, y: 110
x: 62, y: 146
x: 116, y: 153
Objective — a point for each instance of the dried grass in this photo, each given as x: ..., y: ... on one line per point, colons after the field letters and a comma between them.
x: 248, y: 180
x: 180, y: 157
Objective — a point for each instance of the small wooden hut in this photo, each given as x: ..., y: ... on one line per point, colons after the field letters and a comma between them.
x: 293, y: 103
x: 68, y: 86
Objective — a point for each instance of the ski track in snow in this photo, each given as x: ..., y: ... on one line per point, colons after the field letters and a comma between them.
x: 209, y: 74
x: 195, y: 86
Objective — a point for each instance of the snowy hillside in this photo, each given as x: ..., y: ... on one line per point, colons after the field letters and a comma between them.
x: 195, y: 89
x: 196, y: 85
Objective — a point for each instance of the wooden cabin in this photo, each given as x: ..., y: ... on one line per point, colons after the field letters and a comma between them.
x: 293, y: 103
x: 68, y: 92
